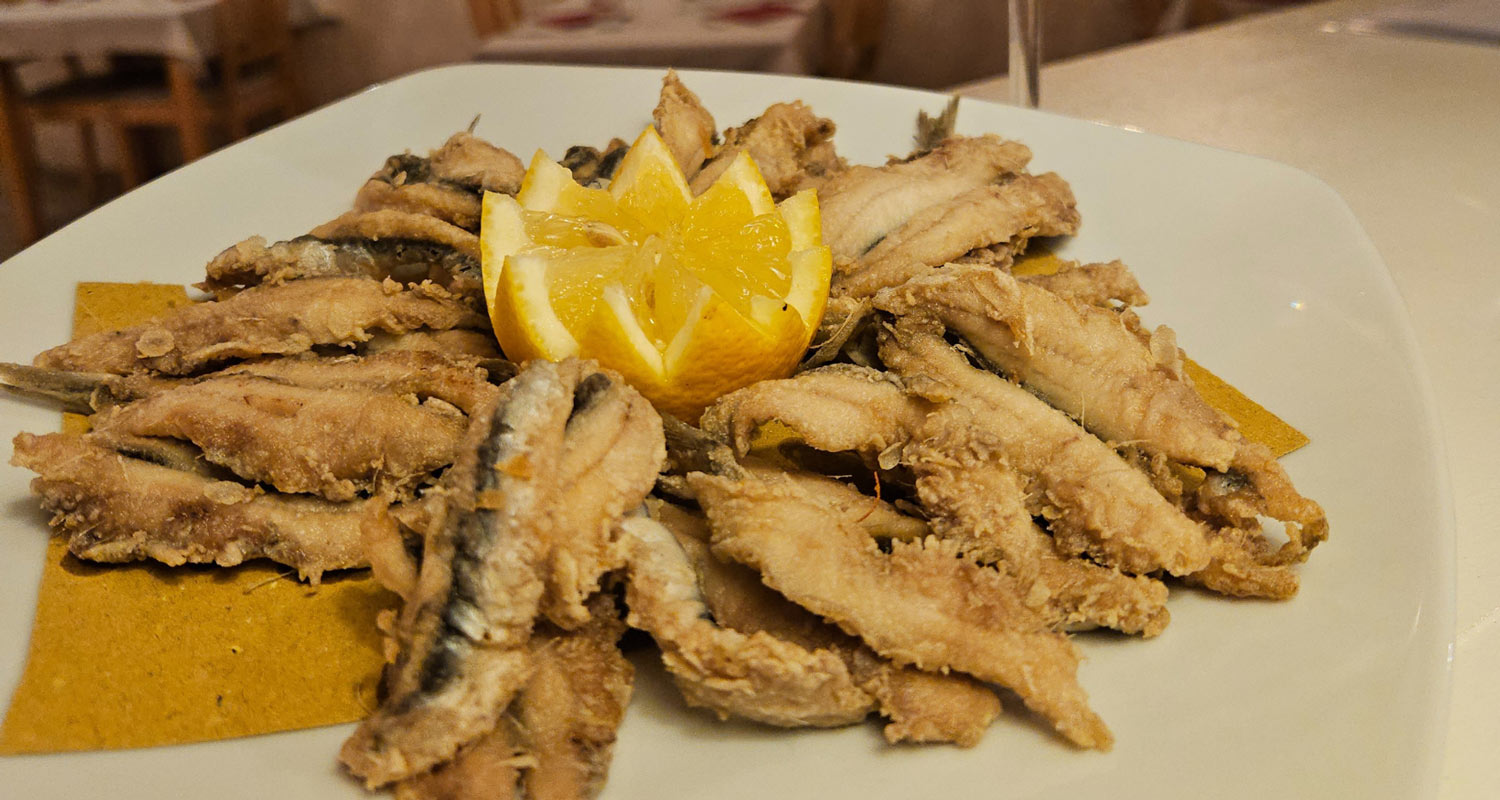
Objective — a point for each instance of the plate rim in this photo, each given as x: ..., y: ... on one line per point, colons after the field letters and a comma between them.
x: 1429, y: 423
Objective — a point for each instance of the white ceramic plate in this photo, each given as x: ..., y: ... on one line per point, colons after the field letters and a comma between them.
x: 1262, y: 270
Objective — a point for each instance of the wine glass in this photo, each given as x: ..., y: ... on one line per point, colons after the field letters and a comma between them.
x: 1025, y: 53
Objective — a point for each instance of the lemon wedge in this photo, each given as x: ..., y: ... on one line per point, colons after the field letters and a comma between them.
x: 687, y: 298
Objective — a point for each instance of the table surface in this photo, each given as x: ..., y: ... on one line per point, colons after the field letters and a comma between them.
x: 1406, y: 129
x: 177, y: 28
x: 653, y: 25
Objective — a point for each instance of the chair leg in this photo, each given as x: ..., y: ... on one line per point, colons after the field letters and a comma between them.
x: 292, y: 100
x: 238, y: 121
x: 132, y: 171
x: 18, y: 158
x: 89, y: 141
x: 191, y: 111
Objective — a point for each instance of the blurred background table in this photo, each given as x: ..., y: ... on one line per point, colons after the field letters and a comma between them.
x: 662, y: 33
x: 1406, y: 129
x: 181, y: 29
x: 127, y: 65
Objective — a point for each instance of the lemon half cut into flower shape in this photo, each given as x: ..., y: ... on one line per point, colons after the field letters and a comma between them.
x: 688, y: 298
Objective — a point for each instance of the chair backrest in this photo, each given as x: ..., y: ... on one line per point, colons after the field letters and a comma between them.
x: 252, y: 31
x: 494, y: 16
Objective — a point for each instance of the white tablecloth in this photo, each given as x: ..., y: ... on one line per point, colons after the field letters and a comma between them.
x: 670, y: 33
x: 176, y: 28
x: 1405, y: 129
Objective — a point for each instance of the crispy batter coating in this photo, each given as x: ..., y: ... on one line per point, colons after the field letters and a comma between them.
x: 861, y: 205
x: 405, y: 260
x: 833, y: 408
x: 612, y: 454
x: 469, y: 161
x: 967, y: 483
x: 287, y: 319
x: 792, y: 146
x: 556, y: 739
x: 1009, y: 213
x: 976, y: 501
x: 451, y: 204
x: 920, y: 604
x: 684, y: 124
x: 446, y: 184
x: 1088, y: 362
x: 1079, y: 358
x: 464, y: 630
x: 116, y: 508
x: 1105, y: 284
x: 921, y: 706
x: 381, y: 224
x: 337, y: 442
x: 574, y: 704
x: 756, y: 676
x: 540, y: 483
x: 1094, y: 501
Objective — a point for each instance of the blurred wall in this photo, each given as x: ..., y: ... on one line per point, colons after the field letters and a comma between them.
x: 377, y: 40
x: 938, y: 43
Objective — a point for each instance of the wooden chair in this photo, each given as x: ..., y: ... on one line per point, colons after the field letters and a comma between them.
x: 494, y: 16
x: 852, y: 35
x: 251, y: 77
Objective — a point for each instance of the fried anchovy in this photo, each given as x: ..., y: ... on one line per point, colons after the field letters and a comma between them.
x: 265, y: 320
x: 611, y: 457
x: 410, y: 261
x: 556, y: 739
x: 450, y: 203
x: 920, y: 604
x: 521, y: 534
x: 1010, y: 213
x: 464, y: 631
x: 415, y: 235
x: 684, y: 124
x: 447, y: 184
x: 471, y: 162
x: 464, y: 163
x: 921, y: 706
x: 1094, y: 501
x: 755, y: 676
x: 384, y: 224
x: 1105, y: 284
x: 421, y: 374
x: 117, y: 508
x: 1080, y: 359
x: 792, y: 146
x: 574, y: 703
x: 833, y: 408
x: 973, y: 496
x: 1085, y: 361
x: 300, y: 439
x: 976, y: 500
x: 862, y: 204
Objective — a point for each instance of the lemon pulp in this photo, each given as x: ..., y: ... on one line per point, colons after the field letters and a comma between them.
x: 687, y: 297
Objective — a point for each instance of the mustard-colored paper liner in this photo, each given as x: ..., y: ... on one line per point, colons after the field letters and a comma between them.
x: 141, y: 655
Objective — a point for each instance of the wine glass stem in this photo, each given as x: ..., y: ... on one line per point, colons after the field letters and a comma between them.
x: 1025, y: 53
